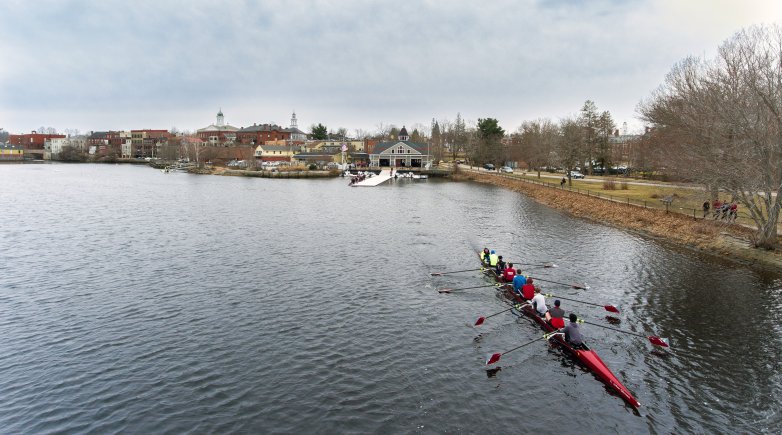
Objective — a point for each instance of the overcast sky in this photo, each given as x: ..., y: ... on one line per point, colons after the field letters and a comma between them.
x: 101, y: 65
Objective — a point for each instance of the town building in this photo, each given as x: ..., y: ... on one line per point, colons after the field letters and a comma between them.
x: 53, y: 147
x: 32, y: 142
x: 218, y: 133
x: 266, y: 133
x: 401, y: 153
x: 145, y: 142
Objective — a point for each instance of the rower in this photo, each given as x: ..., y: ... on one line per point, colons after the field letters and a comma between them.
x: 539, y: 303
x: 528, y: 289
x: 572, y: 332
x: 500, y: 266
x: 518, y: 281
x: 509, y: 273
x: 557, y: 316
x: 485, y: 256
x: 493, y: 259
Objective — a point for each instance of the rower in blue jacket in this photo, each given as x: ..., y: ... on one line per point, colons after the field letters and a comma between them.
x: 518, y: 281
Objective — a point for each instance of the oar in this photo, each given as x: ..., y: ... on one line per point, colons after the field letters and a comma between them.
x: 482, y: 319
x: 454, y: 271
x: 657, y: 341
x: 543, y: 265
x: 451, y: 290
x: 493, y: 358
x: 578, y: 286
x: 610, y: 308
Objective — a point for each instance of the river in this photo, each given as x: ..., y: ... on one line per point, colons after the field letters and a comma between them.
x: 140, y: 302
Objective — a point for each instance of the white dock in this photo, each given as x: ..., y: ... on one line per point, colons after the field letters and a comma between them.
x: 384, y: 176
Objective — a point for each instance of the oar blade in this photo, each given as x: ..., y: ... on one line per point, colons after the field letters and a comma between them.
x: 611, y: 308
x: 480, y: 321
x: 549, y: 265
x: 445, y: 290
x: 493, y: 358
x: 436, y: 274
x: 659, y: 341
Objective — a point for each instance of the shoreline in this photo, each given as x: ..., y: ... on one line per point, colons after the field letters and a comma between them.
x: 706, y: 237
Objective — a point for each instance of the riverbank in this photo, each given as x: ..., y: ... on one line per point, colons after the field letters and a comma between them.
x: 712, y: 237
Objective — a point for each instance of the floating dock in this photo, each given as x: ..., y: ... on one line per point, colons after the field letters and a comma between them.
x: 381, y: 178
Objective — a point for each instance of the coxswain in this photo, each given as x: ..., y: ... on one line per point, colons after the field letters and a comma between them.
x: 572, y: 332
x: 509, y: 273
x: 518, y: 281
x: 493, y: 259
x: 557, y: 316
x: 485, y: 255
x: 528, y: 290
x: 539, y: 303
x: 500, y: 268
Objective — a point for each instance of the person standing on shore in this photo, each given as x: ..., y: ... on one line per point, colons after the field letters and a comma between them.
x: 706, y: 207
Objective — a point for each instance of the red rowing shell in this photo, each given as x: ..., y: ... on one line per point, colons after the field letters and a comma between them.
x: 589, y: 358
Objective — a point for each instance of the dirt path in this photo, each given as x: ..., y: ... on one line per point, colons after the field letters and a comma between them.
x: 731, y: 242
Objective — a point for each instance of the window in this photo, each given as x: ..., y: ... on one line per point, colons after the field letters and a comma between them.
x: 400, y: 150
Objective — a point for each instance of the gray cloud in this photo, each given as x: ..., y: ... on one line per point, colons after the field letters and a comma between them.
x: 111, y: 64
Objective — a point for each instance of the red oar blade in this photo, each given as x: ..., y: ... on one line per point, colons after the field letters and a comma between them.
x: 493, y: 358
x: 480, y: 321
x: 611, y: 308
x: 658, y: 341
x: 445, y: 290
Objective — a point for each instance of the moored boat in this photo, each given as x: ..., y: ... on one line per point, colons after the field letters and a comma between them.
x: 586, y: 356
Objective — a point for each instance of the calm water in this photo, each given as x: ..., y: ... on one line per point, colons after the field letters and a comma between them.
x: 139, y: 302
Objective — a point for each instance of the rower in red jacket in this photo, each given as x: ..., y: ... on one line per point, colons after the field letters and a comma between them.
x: 528, y: 290
x: 509, y: 273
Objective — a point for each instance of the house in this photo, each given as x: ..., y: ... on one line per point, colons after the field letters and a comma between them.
x: 401, y: 153
x: 218, y: 133
x: 11, y: 153
x: 319, y: 158
x: 273, y: 153
x: 354, y: 145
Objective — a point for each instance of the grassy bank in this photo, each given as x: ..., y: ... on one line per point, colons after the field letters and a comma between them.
x: 714, y: 237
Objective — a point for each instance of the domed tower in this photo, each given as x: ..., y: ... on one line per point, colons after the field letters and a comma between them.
x: 294, y: 123
x: 220, y: 118
x: 403, y: 134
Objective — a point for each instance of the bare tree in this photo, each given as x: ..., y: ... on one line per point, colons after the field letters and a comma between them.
x: 724, y: 120
x: 536, y: 140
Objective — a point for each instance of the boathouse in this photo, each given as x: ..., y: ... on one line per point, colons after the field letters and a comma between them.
x: 401, y: 153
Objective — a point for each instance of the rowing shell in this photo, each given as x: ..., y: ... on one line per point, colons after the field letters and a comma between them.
x: 589, y: 358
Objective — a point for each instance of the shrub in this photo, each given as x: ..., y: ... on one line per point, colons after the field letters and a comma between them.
x: 624, y: 185
x: 609, y: 184
x: 312, y: 167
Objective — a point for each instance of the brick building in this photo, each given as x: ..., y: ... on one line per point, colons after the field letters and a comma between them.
x: 33, y: 140
x: 145, y: 142
x: 218, y: 133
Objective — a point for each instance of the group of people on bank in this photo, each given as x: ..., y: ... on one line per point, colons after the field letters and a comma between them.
x: 525, y: 288
x: 721, y: 210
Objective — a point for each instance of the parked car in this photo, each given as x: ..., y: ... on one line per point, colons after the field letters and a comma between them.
x: 488, y: 167
x: 576, y: 174
x: 507, y: 169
